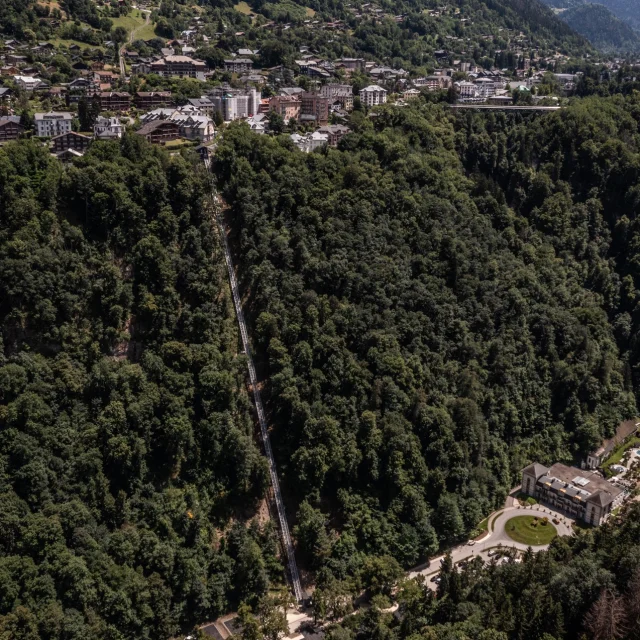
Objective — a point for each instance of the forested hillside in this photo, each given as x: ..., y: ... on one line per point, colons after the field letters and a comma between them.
x: 436, y: 304
x: 126, y: 441
x: 625, y: 10
x: 601, y: 27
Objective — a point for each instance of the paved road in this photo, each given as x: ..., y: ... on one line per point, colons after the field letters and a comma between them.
x: 282, y: 516
x: 498, y: 537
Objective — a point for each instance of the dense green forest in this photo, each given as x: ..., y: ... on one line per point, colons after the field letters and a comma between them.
x: 126, y: 439
x: 436, y: 304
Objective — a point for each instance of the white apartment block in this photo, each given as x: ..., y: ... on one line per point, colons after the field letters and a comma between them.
x: 52, y: 124
x: 466, y: 89
x: 373, y: 95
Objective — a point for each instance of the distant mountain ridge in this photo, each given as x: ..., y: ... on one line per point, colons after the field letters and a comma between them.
x: 609, y: 24
x: 602, y: 28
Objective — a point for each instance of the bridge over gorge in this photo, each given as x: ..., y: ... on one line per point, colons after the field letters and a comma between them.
x: 502, y: 107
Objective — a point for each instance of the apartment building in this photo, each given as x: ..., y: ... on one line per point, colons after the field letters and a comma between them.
x: 70, y: 140
x: 235, y: 103
x: 180, y: 66
x: 373, y: 95
x: 204, y: 105
x: 433, y: 83
x: 146, y: 100
x: 113, y: 100
x: 159, y: 131
x: 10, y: 128
x: 314, y: 108
x: 338, y: 93
x: 238, y: 65
x: 52, y: 123
x: 287, y: 106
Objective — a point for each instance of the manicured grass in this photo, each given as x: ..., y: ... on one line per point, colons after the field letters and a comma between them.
x: 243, y: 7
x: 530, y: 530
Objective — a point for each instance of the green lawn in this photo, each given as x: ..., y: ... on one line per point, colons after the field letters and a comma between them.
x: 68, y: 42
x: 617, y: 454
x: 530, y: 530
x: 132, y: 20
x: 243, y: 7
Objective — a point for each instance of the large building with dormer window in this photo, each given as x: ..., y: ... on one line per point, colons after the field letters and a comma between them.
x: 584, y: 495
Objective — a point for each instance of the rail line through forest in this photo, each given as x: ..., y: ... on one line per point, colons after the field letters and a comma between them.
x: 282, y: 516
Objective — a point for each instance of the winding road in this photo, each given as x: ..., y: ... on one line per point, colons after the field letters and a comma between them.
x: 498, y: 537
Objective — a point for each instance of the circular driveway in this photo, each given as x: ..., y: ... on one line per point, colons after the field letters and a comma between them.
x: 497, y: 537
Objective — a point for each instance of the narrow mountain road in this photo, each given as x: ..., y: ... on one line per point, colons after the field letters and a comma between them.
x: 123, y: 68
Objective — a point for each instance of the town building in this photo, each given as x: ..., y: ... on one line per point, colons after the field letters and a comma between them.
x: 146, y: 100
x: 623, y: 433
x: 113, y: 100
x: 52, y: 123
x: 70, y: 140
x: 82, y: 86
x: 334, y: 132
x: 466, y: 90
x: 68, y: 155
x: 204, y: 105
x: 314, y: 108
x: 194, y: 127
x: 29, y: 83
x: 310, y: 142
x: 341, y: 94
x: 485, y: 87
x: 192, y: 124
x: 259, y: 123
x: 180, y: 66
x: 584, y: 495
x: 10, y: 128
x: 238, y: 65
x: 410, y: 94
x: 351, y: 64
x: 159, y: 131
x: 287, y: 106
x: 373, y: 95
x: 235, y: 103
x: 108, y: 128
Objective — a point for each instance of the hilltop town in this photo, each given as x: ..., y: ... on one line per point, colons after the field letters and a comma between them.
x: 180, y: 90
